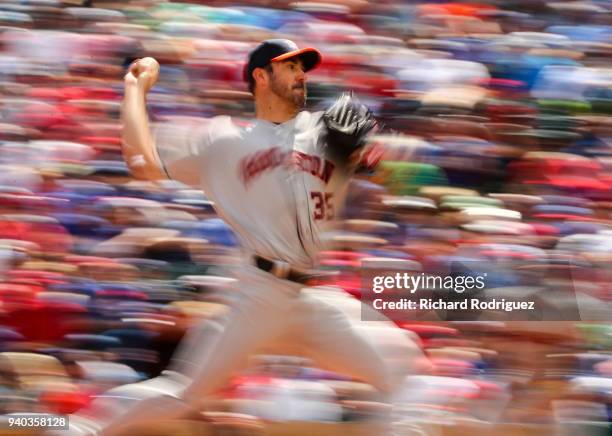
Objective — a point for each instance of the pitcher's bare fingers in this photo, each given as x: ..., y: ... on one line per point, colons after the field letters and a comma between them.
x: 145, y: 71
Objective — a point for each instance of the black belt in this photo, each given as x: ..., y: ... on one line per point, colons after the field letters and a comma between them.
x: 281, y: 269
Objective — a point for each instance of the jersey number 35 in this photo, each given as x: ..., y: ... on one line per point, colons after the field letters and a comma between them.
x: 323, y: 205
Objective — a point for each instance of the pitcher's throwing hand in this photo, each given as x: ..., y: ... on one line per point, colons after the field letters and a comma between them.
x: 143, y: 72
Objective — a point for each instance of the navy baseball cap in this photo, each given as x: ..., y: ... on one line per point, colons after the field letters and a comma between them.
x: 276, y: 50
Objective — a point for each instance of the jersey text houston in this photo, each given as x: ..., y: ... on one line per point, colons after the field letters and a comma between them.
x: 257, y: 163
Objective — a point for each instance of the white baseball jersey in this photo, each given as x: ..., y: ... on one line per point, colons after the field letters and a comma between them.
x: 272, y: 183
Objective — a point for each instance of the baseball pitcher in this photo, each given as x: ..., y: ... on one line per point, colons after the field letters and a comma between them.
x: 278, y: 180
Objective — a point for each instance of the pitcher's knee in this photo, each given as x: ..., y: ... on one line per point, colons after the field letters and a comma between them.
x: 400, y: 358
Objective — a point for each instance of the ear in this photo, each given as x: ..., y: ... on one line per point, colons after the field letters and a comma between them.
x: 260, y: 75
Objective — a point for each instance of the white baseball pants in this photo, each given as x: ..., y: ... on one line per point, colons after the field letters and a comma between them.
x: 321, y: 323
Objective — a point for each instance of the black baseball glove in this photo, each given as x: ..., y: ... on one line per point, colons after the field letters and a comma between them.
x: 348, y: 122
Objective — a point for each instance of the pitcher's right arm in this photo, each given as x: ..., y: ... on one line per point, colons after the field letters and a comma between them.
x: 138, y: 144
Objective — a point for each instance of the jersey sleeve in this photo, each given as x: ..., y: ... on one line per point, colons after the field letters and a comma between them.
x: 181, y: 146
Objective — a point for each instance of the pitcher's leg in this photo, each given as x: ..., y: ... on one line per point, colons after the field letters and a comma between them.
x: 219, y: 349
x: 379, y: 353
x: 111, y: 405
x: 249, y: 329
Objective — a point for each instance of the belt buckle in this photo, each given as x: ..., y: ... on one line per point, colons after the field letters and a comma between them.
x: 281, y: 269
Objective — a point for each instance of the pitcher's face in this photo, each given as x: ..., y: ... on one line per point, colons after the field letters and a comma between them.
x: 288, y: 81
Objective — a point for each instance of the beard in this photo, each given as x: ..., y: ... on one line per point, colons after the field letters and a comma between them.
x: 295, y: 94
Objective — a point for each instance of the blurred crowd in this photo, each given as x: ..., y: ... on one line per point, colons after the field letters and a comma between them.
x: 497, y: 148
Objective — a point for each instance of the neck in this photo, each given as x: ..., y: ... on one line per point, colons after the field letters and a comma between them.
x: 274, y: 109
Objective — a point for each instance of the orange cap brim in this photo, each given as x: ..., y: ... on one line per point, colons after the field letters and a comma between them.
x: 311, y: 57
